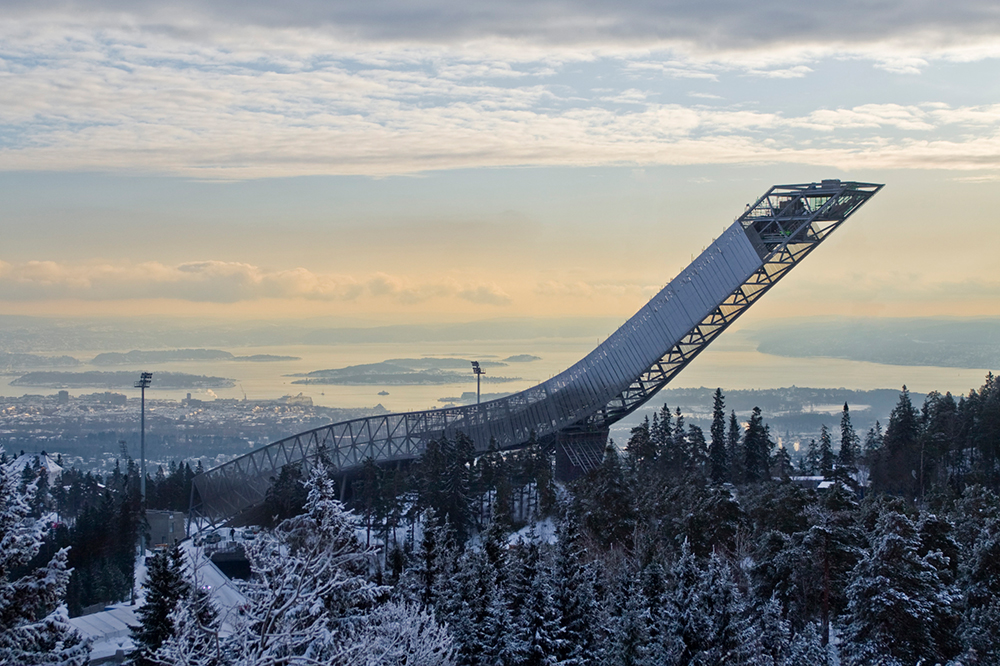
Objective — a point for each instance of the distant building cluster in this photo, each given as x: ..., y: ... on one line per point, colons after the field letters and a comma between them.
x: 90, y: 430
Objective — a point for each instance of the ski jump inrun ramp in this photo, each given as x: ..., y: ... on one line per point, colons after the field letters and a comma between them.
x: 573, y: 410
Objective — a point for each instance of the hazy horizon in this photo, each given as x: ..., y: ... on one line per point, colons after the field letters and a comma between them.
x: 929, y: 354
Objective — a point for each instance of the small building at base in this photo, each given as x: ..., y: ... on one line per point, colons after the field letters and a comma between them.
x: 166, y: 527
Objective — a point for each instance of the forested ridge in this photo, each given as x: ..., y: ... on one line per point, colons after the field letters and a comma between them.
x: 683, y: 547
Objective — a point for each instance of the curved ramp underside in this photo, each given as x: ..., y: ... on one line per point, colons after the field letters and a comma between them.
x: 622, y: 373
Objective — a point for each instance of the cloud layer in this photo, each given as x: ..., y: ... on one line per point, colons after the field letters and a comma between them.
x: 710, y: 25
x: 234, y: 90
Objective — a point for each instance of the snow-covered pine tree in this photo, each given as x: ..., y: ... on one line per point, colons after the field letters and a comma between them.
x: 32, y: 629
x: 734, y: 449
x: 980, y: 633
x: 976, y: 509
x: 499, y: 646
x: 309, y: 602
x: 719, y: 461
x: 661, y: 432
x: 432, y: 561
x: 806, y: 648
x: 654, y: 588
x: 982, y: 582
x: 545, y: 485
x: 680, y: 444
x: 522, y: 570
x: 980, y: 628
x: 708, y: 607
x: 607, y: 505
x: 391, y: 634
x: 756, y: 452
x: 573, y: 597
x: 776, y: 564
x: 640, y: 449
x: 629, y: 633
x: 847, y: 458
x: 899, y: 456
x: 166, y: 584
x: 458, y: 487
x: 196, y: 639
x: 811, y: 462
x: 539, y: 618
x: 697, y: 450
x: 664, y: 646
x: 762, y: 635
x: 896, y: 601
x: 936, y: 533
x: 872, y: 444
x: 472, y: 591
x: 781, y: 462
x: 830, y: 549
x: 826, y: 457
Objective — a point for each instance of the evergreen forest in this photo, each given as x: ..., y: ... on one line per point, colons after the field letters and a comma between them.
x: 683, y: 547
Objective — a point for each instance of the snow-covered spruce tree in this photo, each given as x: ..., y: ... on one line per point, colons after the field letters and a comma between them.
x: 629, y: 633
x: 709, y: 607
x: 719, y: 462
x: 897, y: 601
x: 850, y: 449
x: 195, y: 639
x: 806, y: 648
x: 499, y: 644
x: 756, y: 449
x: 522, y: 568
x: 606, y: 503
x: 472, y: 589
x: 310, y: 602
x: 734, y: 449
x: 826, y: 457
x: 664, y: 647
x: 539, y: 617
x: 432, y: 563
x: 32, y: 630
x: 980, y: 628
x: 165, y: 585
x: 767, y: 640
x: 573, y: 596
x: 833, y: 545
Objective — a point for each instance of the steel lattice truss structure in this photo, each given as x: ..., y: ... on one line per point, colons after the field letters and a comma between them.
x: 623, y: 372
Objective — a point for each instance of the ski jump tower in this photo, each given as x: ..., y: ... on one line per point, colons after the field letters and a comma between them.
x: 573, y: 410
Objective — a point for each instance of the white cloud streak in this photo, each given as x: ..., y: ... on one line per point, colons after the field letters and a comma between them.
x: 224, y: 282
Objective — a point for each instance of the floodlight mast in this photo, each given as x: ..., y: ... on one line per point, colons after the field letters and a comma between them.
x: 144, y: 381
x: 479, y: 371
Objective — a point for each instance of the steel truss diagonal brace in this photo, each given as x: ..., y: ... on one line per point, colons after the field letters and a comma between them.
x: 794, y: 221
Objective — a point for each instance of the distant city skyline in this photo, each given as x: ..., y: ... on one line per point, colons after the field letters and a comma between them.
x: 451, y: 162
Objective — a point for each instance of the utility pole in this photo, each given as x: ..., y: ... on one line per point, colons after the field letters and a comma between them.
x: 144, y: 380
x: 479, y: 371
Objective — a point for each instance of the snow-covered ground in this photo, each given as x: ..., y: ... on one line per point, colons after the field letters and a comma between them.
x: 225, y: 595
x: 108, y: 630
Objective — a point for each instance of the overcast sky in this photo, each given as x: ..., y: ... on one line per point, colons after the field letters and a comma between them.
x: 418, y: 161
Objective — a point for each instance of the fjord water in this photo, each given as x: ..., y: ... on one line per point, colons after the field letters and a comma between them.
x: 732, y: 362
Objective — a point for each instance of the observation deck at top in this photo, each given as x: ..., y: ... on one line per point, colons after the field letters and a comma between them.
x: 573, y: 410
